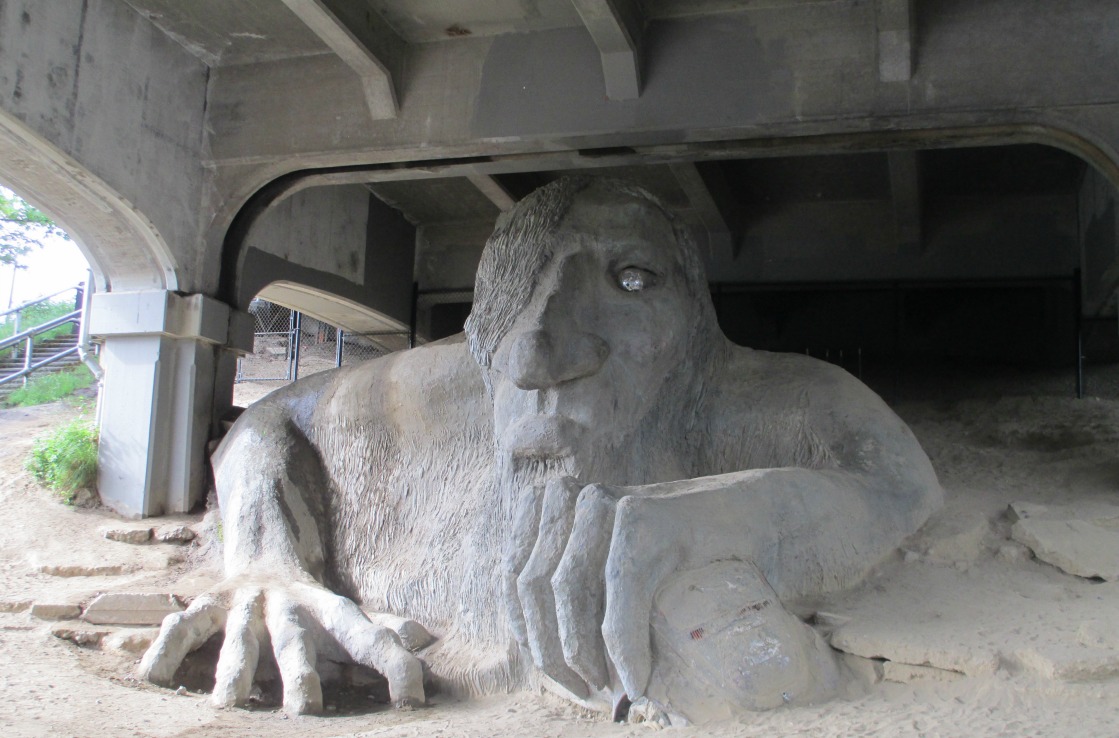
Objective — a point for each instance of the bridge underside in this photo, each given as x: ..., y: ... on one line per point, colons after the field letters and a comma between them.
x: 930, y: 178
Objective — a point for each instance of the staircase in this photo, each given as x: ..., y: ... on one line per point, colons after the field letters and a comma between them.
x: 48, y: 354
x: 12, y: 363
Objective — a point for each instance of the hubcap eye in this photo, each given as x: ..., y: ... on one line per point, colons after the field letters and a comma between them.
x: 635, y: 279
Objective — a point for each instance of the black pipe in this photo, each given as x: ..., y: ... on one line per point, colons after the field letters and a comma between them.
x: 296, y: 340
x: 1079, y: 308
x: 415, y: 315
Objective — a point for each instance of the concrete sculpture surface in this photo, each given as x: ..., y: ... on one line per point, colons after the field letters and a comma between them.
x: 593, y: 482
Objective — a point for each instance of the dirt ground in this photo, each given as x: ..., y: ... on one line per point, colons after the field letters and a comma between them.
x: 978, y: 637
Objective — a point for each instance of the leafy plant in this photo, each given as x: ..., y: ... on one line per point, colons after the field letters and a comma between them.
x: 43, y: 388
x: 66, y: 460
x: 22, y: 227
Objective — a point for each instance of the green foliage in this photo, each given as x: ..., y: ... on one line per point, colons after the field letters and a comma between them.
x: 22, y: 228
x: 37, y: 315
x: 66, y: 460
x: 43, y: 388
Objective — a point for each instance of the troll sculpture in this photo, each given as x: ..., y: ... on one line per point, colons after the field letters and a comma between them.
x: 593, y: 487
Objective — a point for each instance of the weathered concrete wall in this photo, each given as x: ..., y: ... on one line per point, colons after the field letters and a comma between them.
x: 782, y: 78
x: 771, y: 71
x: 104, y: 86
x: 338, y: 240
x: 448, y: 253
x: 710, y: 76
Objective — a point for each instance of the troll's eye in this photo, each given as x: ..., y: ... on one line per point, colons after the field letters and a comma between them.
x: 635, y: 279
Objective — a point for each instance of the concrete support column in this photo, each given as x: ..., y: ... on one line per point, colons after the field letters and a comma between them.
x: 160, y: 352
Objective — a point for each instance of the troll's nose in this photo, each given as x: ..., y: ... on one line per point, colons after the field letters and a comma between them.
x: 539, y: 359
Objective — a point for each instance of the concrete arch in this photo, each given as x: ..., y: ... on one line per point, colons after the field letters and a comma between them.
x: 350, y: 316
x: 326, y: 251
x: 268, y: 185
x: 124, y: 248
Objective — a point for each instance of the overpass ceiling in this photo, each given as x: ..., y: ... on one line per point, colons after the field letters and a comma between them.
x: 224, y: 33
x: 232, y: 32
x: 717, y: 196
x: 944, y: 174
x: 426, y: 21
x: 447, y: 200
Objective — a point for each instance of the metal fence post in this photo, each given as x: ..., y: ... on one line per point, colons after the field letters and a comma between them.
x: 27, y: 358
x: 295, y: 342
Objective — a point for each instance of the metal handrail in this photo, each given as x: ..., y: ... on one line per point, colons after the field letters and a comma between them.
x: 37, y: 300
x: 29, y: 367
x: 32, y: 332
x: 27, y: 338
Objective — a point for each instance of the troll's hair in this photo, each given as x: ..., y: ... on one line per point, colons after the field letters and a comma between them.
x: 522, y: 244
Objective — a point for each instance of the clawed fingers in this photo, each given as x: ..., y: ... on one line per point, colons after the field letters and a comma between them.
x: 240, y: 652
x: 534, y: 586
x: 296, y: 656
x: 374, y: 646
x: 295, y: 620
x: 518, y: 548
x: 181, y: 633
x: 579, y: 585
x: 639, y: 560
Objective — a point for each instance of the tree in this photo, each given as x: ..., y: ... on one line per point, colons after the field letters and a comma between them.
x: 22, y: 228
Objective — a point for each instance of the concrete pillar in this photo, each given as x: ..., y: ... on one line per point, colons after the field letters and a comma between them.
x: 160, y: 352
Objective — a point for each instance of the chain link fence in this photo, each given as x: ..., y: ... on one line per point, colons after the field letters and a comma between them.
x: 274, y: 353
x: 289, y: 345
x: 359, y: 347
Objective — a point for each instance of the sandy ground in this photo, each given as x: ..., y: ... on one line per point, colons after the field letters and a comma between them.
x: 1010, y: 646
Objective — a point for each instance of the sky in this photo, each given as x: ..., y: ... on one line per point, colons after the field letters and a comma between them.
x: 56, y: 265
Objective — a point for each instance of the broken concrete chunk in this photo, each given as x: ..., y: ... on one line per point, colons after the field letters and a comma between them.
x: 55, y: 611
x: 85, y: 570
x: 895, y: 671
x: 131, y: 641
x: 1074, y: 546
x: 1098, y: 634
x: 122, y: 608
x: 86, y: 638
x: 955, y: 541
x: 14, y: 605
x: 129, y: 535
x: 1016, y: 511
x: 899, y: 645
x: 174, y: 534
x: 1069, y: 663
